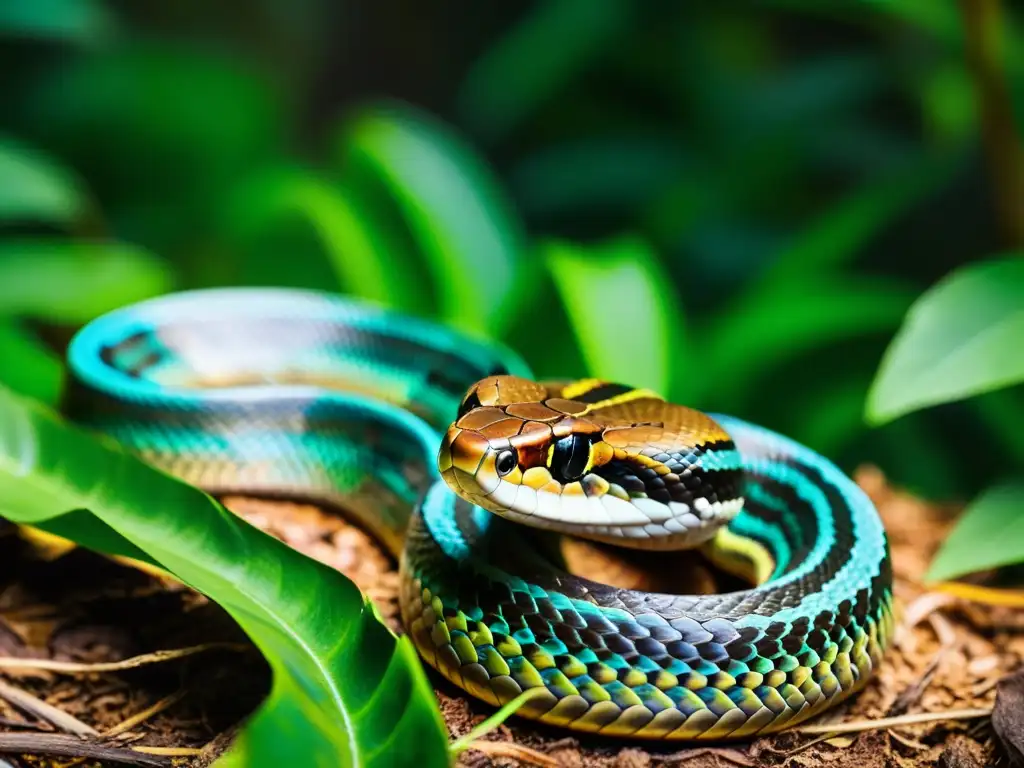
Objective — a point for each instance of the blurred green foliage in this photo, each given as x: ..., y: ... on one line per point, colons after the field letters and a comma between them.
x: 734, y: 203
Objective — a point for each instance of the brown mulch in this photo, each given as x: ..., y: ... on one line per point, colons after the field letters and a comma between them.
x: 75, y: 606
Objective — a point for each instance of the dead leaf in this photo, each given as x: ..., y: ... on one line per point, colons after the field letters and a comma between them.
x: 1008, y: 717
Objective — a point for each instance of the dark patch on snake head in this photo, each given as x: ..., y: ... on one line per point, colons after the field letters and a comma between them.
x: 471, y: 401
x: 570, y: 457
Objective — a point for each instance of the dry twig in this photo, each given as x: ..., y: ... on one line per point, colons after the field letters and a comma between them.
x: 39, y: 708
x: 69, y: 746
x: 894, y: 722
x: 74, y: 667
x: 515, y: 751
x: 141, y: 717
x: 169, y: 751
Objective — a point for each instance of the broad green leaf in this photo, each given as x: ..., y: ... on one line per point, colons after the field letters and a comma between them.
x: 789, y: 319
x: 35, y: 188
x: 28, y: 367
x: 553, y: 43
x: 962, y: 337
x: 452, y: 206
x: 345, y: 690
x: 73, y: 282
x: 360, y: 253
x: 84, y: 21
x: 988, y: 534
x: 623, y: 310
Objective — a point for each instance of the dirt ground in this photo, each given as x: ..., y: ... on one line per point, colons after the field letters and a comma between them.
x: 83, y: 610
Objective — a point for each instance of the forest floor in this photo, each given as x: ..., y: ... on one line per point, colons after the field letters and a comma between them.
x: 83, y: 610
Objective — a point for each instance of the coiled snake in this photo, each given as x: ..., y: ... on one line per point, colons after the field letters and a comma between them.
x: 300, y: 394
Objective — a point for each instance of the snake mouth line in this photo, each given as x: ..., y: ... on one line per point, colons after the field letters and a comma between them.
x: 637, y: 524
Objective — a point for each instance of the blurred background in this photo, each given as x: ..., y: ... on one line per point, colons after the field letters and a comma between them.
x: 732, y: 203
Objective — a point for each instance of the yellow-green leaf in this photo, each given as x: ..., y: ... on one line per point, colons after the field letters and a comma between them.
x: 358, y: 248
x: 790, y: 318
x: 27, y: 366
x: 989, y: 534
x: 72, y: 282
x: 453, y: 207
x: 961, y: 338
x: 34, y: 188
x: 623, y: 310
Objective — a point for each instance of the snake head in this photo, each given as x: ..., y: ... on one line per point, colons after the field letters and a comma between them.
x: 629, y: 468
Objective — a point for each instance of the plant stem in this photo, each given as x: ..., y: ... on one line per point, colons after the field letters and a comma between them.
x: 462, y: 744
x: 983, y: 23
x: 69, y: 746
x: 37, y: 707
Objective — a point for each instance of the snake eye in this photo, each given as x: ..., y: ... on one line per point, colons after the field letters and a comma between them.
x: 570, y: 458
x: 505, y: 462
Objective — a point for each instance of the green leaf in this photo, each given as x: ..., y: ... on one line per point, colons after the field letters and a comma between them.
x: 622, y: 308
x: 962, y: 337
x: 791, y: 318
x: 345, y: 690
x: 452, y: 206
x: 989, y: 534
x: 28, y: 367
x: 85, y: 21
x: 543, y: 52
x: 359, y: 251
x: 35, y: 188
x: 73, y: 282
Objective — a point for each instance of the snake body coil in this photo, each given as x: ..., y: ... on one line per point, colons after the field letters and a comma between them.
x: 300, y: 394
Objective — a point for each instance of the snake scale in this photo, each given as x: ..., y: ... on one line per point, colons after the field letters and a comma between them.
x: 461, y: 464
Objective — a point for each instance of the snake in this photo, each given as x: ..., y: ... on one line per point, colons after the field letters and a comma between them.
x: 443, y: 445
